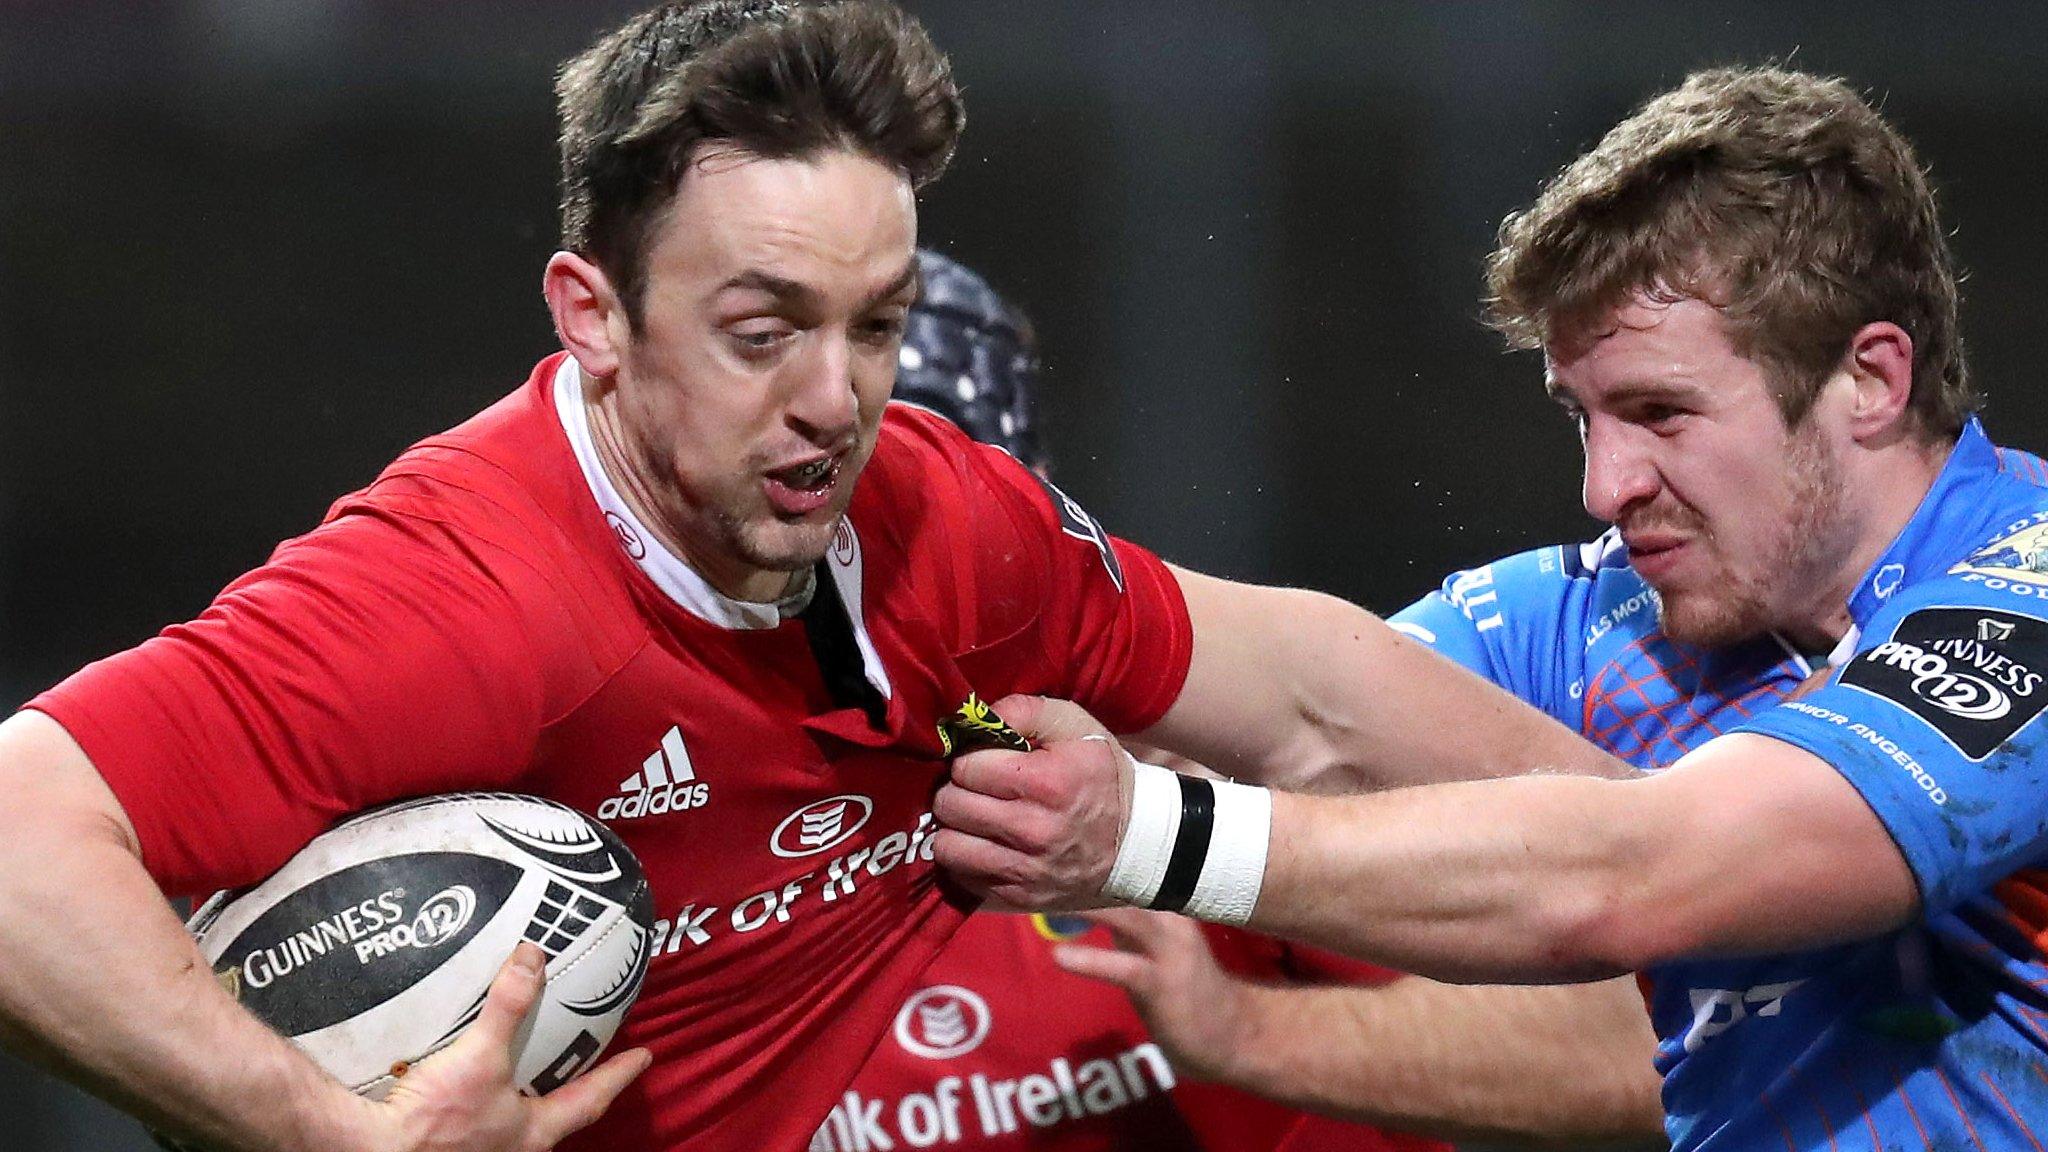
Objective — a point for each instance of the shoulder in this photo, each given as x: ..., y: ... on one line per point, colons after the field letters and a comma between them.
x: 509, y: 465
x: 503, y: 487
x: 1986, y: 524
x: 1963, y: 653
x: 940, y: 492
x: 492, y: 512
x: 918, y: 451
x: 1510, y: 620
x: 2008, y: 561
x: 1542, y: 583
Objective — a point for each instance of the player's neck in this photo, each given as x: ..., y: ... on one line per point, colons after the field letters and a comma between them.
x: 1888, y: 487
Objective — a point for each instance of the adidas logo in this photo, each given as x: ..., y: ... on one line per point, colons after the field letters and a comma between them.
x: 664, y: 783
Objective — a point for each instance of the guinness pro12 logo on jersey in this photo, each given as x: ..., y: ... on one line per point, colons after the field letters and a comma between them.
x: 1974, y: 674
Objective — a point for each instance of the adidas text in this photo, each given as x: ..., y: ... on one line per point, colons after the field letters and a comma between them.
x: 665, y: 783
x: 656, y: 801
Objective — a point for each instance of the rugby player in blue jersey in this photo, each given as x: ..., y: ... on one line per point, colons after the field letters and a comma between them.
x: 1811, y: 651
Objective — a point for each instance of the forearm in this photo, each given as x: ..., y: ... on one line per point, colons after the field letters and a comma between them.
x: 1746, y: 846
x: 1570, y: 1064
x: 121, y: 1000
x: 1535, y: 879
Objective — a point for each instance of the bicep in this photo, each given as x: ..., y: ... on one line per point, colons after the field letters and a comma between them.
x: 1767, y: 849
x: 1303, y: 690
x: 1236, y: 712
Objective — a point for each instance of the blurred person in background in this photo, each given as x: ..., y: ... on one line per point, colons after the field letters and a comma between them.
x: 998, y: 1047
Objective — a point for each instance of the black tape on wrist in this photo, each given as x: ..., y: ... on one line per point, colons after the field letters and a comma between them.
x: 1190, y: 845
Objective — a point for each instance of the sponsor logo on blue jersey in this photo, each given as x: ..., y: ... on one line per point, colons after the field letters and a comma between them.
x: 1970, y: 673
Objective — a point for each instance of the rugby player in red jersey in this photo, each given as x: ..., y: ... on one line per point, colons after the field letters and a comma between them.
x: 687, y: 577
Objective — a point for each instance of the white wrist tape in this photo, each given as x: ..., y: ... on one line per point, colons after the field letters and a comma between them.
x: 1192, y: 845
x: 1147, y: 846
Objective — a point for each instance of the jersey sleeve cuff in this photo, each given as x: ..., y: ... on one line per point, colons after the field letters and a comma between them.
x: 1169, y: 645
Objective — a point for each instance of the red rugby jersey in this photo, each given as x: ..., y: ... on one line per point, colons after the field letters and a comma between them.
x: 471, y: 621
x: 999, y: 1049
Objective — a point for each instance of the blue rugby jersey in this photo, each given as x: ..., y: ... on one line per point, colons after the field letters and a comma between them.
x: 1935, y: 1036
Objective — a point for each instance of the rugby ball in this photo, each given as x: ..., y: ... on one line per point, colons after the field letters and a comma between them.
x: 373, y: 947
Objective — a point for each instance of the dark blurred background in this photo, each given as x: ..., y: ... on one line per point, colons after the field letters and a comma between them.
x: 250, y: 249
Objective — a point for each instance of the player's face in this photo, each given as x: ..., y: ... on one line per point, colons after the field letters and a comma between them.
x: 751, y: 395
x: 1737, y: 521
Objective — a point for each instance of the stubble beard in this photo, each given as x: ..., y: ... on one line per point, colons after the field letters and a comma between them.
x: 771, y: 544
x: 754, y: 540
x: 738, y: 525
x: 1748, y: 600
x: 710, y: 530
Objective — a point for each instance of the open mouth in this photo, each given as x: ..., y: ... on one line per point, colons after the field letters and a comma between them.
x: 802, y: 489
x: 819, y: 473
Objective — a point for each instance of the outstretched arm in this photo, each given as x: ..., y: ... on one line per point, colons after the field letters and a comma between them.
x: 123, y: 1002
x: 1747, y: 845
x: 1569, y: 1064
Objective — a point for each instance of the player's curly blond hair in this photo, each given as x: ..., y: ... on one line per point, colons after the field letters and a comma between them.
x: 1780, y: 197
x: 779, y: 78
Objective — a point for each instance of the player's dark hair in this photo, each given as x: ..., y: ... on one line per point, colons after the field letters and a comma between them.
x: 780, y: 79
x: 1781, y: 198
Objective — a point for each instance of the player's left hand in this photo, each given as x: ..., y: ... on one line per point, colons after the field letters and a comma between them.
x: 1036, y: 830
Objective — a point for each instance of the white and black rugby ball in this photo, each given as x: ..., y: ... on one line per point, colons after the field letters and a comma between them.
x: 373, y: 947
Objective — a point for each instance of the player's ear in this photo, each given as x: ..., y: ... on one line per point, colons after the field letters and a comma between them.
x: 589, y: 318
x: 1879, y: 363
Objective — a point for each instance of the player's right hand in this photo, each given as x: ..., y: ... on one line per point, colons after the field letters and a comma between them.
x: 1036, y: 830
x: 463, y: 1098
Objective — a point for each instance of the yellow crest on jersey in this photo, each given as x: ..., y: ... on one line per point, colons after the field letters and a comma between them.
x: 976, y: 727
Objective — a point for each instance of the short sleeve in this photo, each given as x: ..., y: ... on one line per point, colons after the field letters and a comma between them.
x: 1123, y: 616
x: 375, y: 658
x: 1935, y: 721
x: 1515, y: 622
x: 1045, y: 600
